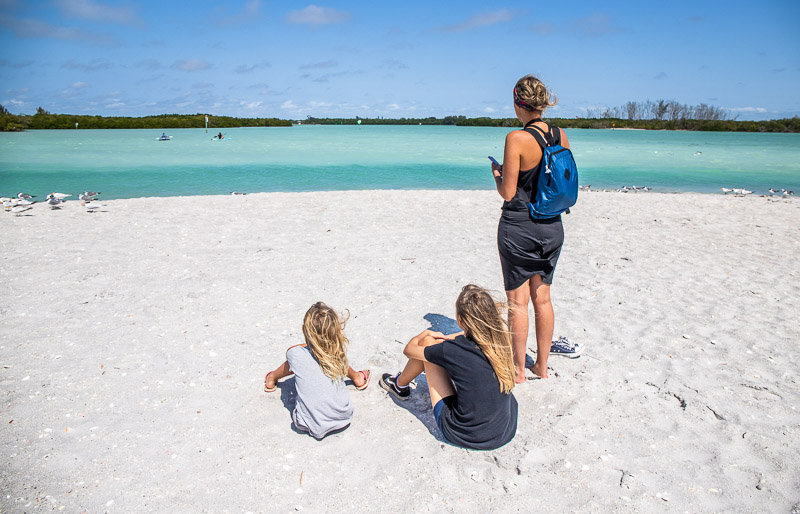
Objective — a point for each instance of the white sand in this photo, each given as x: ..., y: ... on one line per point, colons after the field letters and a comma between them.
x: 135, y: 343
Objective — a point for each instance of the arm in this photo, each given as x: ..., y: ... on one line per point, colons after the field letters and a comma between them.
x: 507, y: 182
x: 415, y: 349
x: 564, y: 140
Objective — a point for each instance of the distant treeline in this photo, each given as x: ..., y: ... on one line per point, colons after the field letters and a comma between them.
x: 659, y: 115
x: 783, y: 125
x: 45, y: 120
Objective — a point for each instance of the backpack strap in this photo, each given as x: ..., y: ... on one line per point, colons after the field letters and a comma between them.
x: 538, y: 136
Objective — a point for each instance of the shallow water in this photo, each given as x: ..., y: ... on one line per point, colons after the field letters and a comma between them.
x: 131, y: 163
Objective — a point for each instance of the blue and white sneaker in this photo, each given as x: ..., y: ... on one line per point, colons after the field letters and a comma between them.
x: 566, y: 348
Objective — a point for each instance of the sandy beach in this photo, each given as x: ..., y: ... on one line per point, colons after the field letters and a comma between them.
x: 135, y: 342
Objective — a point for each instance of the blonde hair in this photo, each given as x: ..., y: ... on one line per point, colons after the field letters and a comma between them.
x: 479, y: 316
x: 531, y: 94
x: 325, y: 338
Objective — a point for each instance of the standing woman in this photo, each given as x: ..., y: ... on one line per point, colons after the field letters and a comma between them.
x: 529, y: 248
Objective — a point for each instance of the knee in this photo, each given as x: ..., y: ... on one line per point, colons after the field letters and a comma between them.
x: 541, y: 299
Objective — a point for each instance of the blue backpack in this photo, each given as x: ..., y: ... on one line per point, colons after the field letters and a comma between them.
x: 556, y: 179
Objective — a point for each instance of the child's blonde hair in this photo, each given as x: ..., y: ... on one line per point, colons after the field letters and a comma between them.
x: 325, y: 338
x: 479, y: 316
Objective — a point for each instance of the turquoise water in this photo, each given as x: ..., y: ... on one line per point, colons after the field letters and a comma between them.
x: 131, y: 163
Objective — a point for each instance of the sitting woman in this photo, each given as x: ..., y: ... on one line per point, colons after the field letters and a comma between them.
x: 470, y: 374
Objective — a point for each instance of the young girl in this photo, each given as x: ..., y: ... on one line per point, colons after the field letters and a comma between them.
x: 320, y: 367
x: 470, y: 374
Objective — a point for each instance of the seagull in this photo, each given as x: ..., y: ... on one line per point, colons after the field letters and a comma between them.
x: 236, y: 193
x: 60, y: 196
x: 773, y: 191
x: 23, y: 196
x: 19, y: 209
x: 787, y: 193
x: 726, y: 190
x: 742, y: 191
x: 91, y: 193
x: 585, y: 188
x: 92, y: 207
x: 83, y: 197
x: 54, y: 202
x: 698, y: 153
x: 22, y: 202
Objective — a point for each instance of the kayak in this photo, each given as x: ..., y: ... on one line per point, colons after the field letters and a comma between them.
x: 164, y: 138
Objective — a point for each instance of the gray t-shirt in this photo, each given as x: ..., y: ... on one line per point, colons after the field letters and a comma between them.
x: 323, y: 405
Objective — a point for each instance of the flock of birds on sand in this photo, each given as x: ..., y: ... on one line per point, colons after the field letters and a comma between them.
x: 725, y: 190
x: 23, y: 202
x: 742, y: 191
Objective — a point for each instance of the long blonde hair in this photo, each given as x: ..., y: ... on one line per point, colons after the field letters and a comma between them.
x: 325, y: 338
x: 479, y: 316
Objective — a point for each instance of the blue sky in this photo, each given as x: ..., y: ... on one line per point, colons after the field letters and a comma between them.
x: 394, y: 59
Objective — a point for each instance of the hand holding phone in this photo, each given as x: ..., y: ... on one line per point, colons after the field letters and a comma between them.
x: 494, y: 160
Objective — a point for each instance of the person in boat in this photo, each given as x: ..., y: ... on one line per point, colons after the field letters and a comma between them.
x: 220, y: 136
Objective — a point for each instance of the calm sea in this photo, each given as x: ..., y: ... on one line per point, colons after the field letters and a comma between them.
x: 131, y: 163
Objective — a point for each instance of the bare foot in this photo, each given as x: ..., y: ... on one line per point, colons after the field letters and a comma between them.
x: 539, y: 371
x: 519, y: 377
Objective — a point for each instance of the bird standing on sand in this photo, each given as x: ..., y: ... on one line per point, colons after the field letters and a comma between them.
x: 54, y: 202
x: 19, y: 209
x: 726, y: 190
x: 23, y: 196
x: 60, y: 196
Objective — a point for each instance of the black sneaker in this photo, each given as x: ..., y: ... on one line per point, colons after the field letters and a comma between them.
x: 389, y: 382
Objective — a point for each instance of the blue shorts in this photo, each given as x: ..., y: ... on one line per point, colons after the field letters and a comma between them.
x: 437, y: 414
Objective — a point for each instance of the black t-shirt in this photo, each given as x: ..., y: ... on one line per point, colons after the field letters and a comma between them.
x: 481, y: 416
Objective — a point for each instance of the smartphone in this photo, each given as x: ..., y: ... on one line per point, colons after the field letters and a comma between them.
x: 494, y: 160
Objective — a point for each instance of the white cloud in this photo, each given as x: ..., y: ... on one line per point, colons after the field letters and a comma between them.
x: 489, y: 110
x: 316, y: 16
x: 190, y: 65
x: 319, y: 65
x: 748, y: 109
x: 93, y: 11
x: 79, y: 85
x: 252, y: 105
x: 480, y: 20
x: 251, y: 12
x: 26, y: 27
x: 288, y: 104
x: 93, y: 65
x: 392, y: 107
x: 595, y: 25
x: 247, y: 68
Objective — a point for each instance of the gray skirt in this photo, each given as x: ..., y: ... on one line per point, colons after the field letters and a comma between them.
x: 528, y: 247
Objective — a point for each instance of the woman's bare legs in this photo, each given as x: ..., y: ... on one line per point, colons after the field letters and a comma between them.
x: 439, y: 383
x: 539, y: 293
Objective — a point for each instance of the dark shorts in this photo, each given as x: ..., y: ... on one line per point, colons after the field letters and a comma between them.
x: 528, y: 247
x: 437, y: 413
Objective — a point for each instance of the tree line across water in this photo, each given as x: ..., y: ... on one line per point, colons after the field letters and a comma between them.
x: 45, y: 120
x: 659, y: 115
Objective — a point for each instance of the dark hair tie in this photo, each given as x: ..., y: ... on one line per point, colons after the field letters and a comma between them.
x: 521, y: 103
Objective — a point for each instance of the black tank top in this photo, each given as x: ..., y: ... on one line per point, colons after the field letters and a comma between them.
x: 527, y: 178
